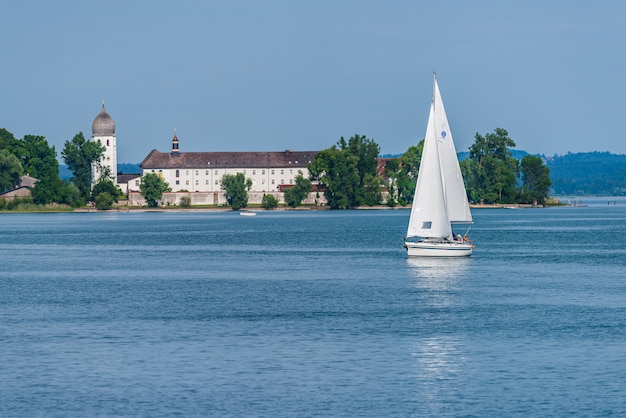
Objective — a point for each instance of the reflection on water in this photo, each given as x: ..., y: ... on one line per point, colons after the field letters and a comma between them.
x: 439, y: 360
x: 438, y: 273
x: 438, y: 366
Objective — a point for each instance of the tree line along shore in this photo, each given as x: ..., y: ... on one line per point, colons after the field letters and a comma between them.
x: 346, y: 175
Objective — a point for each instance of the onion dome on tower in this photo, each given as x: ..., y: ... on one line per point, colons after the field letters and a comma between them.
x: 103, y: 124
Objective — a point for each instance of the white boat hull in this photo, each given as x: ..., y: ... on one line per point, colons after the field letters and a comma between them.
x: 438, y: 249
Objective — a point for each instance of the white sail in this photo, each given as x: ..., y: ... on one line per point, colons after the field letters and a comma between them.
x: 429, y: 218
x: 456, y: 197
x: 440, y: 197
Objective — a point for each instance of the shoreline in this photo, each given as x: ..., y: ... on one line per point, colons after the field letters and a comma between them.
x: 280, y: 209
x: 124, y: 209
x: 172, y: 208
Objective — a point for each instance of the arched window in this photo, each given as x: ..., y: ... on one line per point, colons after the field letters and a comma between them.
x: 177, y: 173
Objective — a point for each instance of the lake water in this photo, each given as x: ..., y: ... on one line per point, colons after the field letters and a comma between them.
x: 311, y: 314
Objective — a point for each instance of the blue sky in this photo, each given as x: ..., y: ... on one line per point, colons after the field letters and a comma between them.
x: 285, y: 74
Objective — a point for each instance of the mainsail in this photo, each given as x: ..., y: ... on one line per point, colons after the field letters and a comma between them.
x: 429, y: 218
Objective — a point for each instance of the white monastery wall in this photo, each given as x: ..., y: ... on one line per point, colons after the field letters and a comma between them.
x: 135, y: 199
x: 209, y: 180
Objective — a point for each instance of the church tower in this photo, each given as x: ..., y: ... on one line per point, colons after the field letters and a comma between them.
x: 103, y: 130
x: 175, y: 143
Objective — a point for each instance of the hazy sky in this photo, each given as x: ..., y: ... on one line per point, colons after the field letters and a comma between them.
x: 286, y: 74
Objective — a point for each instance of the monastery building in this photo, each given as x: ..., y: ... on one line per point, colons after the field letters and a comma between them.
x: 199, y: 174
x: 203, y: 171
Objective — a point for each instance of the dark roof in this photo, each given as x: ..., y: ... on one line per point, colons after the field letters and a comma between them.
x: 160, y: 160
x: 125, y: 178
x: 15, y: 192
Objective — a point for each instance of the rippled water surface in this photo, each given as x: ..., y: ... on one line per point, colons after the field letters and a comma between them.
x: 311, y: 314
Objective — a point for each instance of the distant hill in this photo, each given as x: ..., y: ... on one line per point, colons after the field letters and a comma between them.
x: 588, y: 173
x: 128, y: 168
x: 578, y: 174
x: 517, y: 154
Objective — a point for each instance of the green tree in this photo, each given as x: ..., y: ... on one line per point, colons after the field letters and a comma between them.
x: 269, y: 201
x: 372, y: 188
x: 535, y: 180
x: 402, y: 175
x: 236, y: 187
x: 342, y: 169
x: 8, y: 142
x: 104, y: 201
x: 412, y: 158
x: 47, y: 190
x: 335, y: 170
x: 366, y: 152
x: 152, y: 188
x: 10, y: 171
x: 491, y: 170
x: 39, y: 160
x: 70, y: 195
x: 104, y: 185
x: 79, y: 155
x: 294, y: 195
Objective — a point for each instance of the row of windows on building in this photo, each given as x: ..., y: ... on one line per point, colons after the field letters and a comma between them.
x: 217, y: 182
x: 206, y: 172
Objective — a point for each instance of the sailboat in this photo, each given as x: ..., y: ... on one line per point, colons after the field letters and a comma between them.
x: 440, y: 199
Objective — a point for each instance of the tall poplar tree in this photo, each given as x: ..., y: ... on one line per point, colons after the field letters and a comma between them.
x: 79, y: 154
x: 535, y: 180
x: 491, y: 171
